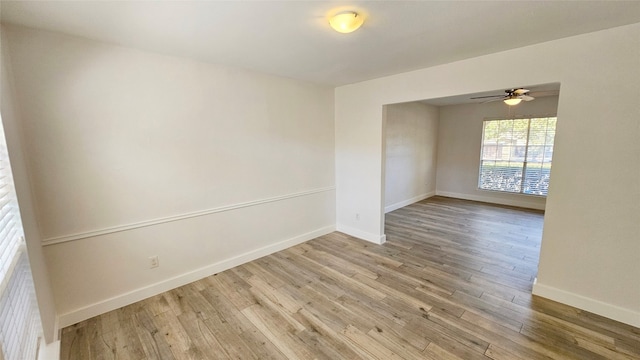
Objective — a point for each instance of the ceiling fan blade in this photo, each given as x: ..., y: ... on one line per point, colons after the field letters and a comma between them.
x: 486, y: 97
x: 492, y: 100
x: 545, y: 93
x: 526, y: 97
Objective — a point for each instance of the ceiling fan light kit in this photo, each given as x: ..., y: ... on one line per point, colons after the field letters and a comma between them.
x: 346, y: 21
x: 512, y: 101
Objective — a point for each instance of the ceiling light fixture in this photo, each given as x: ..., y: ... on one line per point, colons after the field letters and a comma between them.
x: 512, y: 101
x: 346, y: 22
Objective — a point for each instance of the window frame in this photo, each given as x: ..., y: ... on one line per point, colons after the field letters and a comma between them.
x: 526, y: 149
x: 20, y: 324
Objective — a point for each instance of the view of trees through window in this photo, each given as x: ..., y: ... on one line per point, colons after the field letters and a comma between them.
x: 516, y: 155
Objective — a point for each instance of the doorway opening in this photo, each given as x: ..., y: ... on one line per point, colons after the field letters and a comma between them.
x: 433, y: 149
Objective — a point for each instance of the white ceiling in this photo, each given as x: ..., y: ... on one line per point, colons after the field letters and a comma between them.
x: 293, y: 39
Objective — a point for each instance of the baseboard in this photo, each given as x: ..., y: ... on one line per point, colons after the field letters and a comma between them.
x: 493, y: 200
x: 376, y: 239
x: 404, y: 203
x: 49, y: 351
x: 613, y: 312
x: 131, y: 297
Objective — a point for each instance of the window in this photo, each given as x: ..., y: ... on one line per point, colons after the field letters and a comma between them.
x: 516, y: 155
x: 20, y: 326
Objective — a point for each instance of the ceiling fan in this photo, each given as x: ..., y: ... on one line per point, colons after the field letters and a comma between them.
x: 511, y: 97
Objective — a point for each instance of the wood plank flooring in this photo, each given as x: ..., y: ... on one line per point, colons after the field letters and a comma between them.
x: 453, y: 281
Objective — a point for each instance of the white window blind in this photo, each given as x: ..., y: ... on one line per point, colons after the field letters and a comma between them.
x: 516, y: 155
x: 20, y: 327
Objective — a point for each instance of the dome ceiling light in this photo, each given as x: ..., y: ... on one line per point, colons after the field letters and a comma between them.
x: 346, y: 21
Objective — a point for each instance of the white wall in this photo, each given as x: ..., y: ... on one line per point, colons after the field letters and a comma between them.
x: 10, y: 120
x: 411, y: 139
x: 590, y: 249
x: 459, y: 143
x: 133, y: 154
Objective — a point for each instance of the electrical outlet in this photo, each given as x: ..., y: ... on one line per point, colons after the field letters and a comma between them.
x: 153, y: 262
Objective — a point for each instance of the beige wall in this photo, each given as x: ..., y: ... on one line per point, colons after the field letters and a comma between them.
x: 590, y: 249
x: 133, y: 154
x: 411, y: 137
x: 459, y: 139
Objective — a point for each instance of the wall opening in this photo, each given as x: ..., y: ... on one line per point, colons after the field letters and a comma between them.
x: 433, y: 147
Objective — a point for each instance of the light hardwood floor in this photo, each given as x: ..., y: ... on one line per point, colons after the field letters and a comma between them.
x: 453, y: 281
